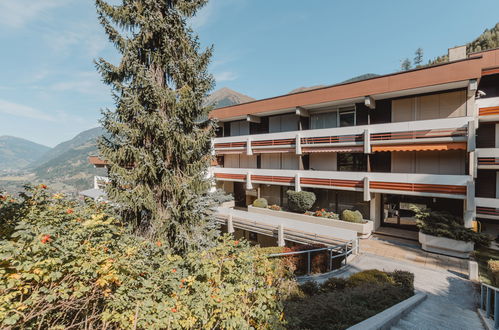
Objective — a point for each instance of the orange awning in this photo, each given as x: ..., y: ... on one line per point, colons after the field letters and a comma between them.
x: 332, y: 149
x: 421, y: 147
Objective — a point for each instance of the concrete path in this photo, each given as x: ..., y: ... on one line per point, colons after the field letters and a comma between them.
x: 451, y: 302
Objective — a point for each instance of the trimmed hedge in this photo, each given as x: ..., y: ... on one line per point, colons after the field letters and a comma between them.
x: 493, y: 269
x: 300, y: 201
x: 261, y: 202
x: 352, y: 216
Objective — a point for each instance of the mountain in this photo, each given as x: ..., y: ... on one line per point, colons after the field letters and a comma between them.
x: 303, y: 88
x: 17, y: 153
x: 361, y: 77
x: 225, y: 97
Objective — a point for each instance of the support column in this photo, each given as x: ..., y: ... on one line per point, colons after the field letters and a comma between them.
x: 298, y: 144
x: 471, y: 136
x: 249, y: 186
x: 470, y: 207
x: 367, y: 142
x: 230, y: 225
x: 280, y: 236
x: 297, y: 182
x: 367, y: 191
x: 249, y: 150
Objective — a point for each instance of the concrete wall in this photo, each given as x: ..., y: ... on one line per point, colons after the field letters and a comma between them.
x: 434, y: 106
x: 429, y: 162
x: 323, y: 161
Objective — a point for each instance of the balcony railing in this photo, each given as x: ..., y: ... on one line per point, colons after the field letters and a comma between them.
x: 488, y: 108
x: 487, y: 208
x: 487, y: 158
x: 361, y: 138
x: 433, y: 185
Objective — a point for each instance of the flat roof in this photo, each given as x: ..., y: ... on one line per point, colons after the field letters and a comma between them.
x: 444, y: 73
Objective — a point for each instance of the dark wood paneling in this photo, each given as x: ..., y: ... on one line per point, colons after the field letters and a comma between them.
x: 486, y: 135
x: 485, y: 184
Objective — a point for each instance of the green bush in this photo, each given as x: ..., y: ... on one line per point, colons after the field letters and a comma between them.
x: 70, y: 265
x: 261, y: 202
x: 369, y: 277
x: 352, y: 216
x: 310, y: 288
x: 493, y: 269
x: 300, y: 201
x: 404, y: 279
x: 318, y: 260
x: 445, y: 224
x: 333, y: 283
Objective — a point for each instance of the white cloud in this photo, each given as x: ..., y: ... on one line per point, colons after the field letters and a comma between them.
x: 16, y: 13
x: 20, y: 110
x: 225, y: 76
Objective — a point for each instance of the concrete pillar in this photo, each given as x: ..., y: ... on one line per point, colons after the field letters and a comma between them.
x: 367, y: 142
x: 367, y: 191
x: 298, y: 144
x: 249, y: 185
x: 297, y: 182
x: 471, y: 136
x: 473, y: 271
x: 280, y: 236
x: 230, y: 224
x: 249, y: 150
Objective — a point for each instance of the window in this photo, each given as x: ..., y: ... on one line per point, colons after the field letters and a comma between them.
x: 347, y: 117
x: 352, y: 162
x: 283, y: 123
x: 239, y: 128
x: 324, y: 120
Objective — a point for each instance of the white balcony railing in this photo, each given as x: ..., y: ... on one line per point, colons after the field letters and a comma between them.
x: 433, y: 185
x: 487, y: 208
x: 427, y: 131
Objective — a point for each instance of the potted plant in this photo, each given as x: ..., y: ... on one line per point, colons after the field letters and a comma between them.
x: 444, y: 233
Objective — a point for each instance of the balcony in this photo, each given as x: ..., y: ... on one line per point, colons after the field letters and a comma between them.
x: 431, y: 185
x: 488, y: 109
x: 435, y: 134
x: 487, y: 208
x: 487, y: 158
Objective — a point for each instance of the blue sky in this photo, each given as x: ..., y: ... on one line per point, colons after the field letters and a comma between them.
x: 49, y: 90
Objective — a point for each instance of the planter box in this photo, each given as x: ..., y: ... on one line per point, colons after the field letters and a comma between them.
x: 446, y: 246
x: 229, y: 204
x: 363, y: 230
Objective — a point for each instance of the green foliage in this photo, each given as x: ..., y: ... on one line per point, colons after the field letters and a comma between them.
x: 493, y: 269
x: 300, y: 201
x: 352, y: 216
x: 368, y: 277
x: 65, y: 264
x: 418, y: 57
x: 260, y: 202
x: 340, y: 303
x: 158, y: 148
x: 319, y: 260
x: 405, y: 65
x: 445, y: 224
x: 404, y: 279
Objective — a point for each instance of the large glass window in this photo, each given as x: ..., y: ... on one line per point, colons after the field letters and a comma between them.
x: 338, y: 201
x: 352, y: 162
x: 347, y: 117
x: 324, y: 120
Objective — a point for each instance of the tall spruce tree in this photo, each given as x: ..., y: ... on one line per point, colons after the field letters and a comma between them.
x: 418, y: 57
x: 158, y: 150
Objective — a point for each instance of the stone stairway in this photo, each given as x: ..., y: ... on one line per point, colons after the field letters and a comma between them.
x: 430, y: 315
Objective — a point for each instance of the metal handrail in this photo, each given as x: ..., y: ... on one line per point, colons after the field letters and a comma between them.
x: 486, y: 301
x: 348, y: 249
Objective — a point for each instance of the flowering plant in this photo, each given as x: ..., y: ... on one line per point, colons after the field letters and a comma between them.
x: 322, y: 213
x: 275, y: 207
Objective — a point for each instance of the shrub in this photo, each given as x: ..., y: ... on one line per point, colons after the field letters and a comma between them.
x: 352, y: 216
x: 318, y: 260
x: 404, y: 279
x: 71, y: 265
x: 260, y: 202
x: 341, y: 309
x: 493, y: 269
x: 310, y: 288
x: 275, y: 207
x: 369, y: 277
x: 445, y: 224
x: 333, y: 283
x: 300, y: 201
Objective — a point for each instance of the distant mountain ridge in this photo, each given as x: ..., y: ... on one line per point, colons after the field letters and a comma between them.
x: 225, y: 97
x: 17, y: 153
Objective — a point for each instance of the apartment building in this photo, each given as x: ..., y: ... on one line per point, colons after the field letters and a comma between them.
x: 427, y: 137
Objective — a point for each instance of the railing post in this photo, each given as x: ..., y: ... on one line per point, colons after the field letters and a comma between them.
x: 249, y: 185
x: 367, y: 191
x: 298, y: 144
x: 487, y: 303
x: 249, y: 150
x: 280, y: 235
x: 308, y: 263
x: 496, y: 309
x: 330, y: 259
x: 482, y: 296
x: 230, y: 225
x: 297, y: 182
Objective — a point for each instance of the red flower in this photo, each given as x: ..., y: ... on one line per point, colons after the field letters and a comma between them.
x: 236, y: 242
x: 174, y: 270
x: 69, y: 211
x: 174, y: 310
x: 45, y: 239
x: 158, y: 243
x: 181, y: 286
x: 43, y: 186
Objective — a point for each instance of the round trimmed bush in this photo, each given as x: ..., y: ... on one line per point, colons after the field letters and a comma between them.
x: 352, y: 216
x: 369, y: 277
x: 300, y: 201
x: 261, y: 202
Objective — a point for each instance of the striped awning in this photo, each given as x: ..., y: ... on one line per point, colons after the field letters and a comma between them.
x: 420, y: 147
x: 332, y: 149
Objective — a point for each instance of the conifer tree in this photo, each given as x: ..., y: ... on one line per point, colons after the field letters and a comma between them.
x: 418, y: 57
x: 158, y: 150
x: 405, y: 65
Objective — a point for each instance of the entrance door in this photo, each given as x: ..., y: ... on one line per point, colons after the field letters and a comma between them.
x: 397, y: 211
x: 239, y: 194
